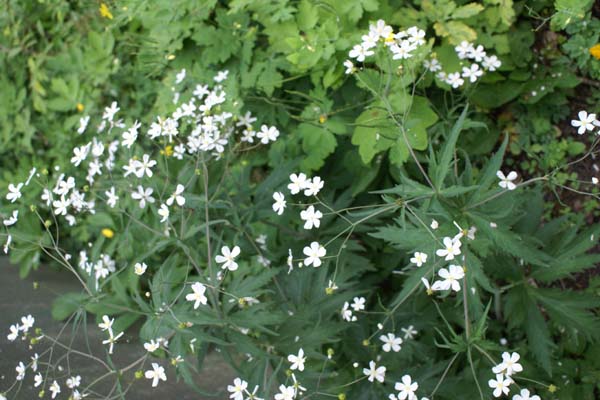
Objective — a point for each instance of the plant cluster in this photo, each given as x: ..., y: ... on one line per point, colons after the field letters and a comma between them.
x: 343, y: 199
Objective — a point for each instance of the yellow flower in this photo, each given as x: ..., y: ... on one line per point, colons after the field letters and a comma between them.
x: 595, y: 51
x: 108, y: 233
x: 105, y: 12
x: 322, y: 118
x: 168, y: 151
x: 80, y: 107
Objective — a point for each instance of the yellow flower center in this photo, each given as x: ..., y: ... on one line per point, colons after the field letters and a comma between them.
x: 108, y: 233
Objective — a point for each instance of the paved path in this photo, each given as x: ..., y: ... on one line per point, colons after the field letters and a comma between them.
x: 18, y: 298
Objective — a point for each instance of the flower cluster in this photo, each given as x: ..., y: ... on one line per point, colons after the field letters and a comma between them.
x: 466, y: 52
x: 505, y: 371
x: 17, y: 329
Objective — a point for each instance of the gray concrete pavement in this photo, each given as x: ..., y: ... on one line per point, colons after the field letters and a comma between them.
x: 18, y: 298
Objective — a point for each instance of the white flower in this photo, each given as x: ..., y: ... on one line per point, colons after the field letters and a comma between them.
x: 27, y: 322
x: 525, y: 395
x: 313, y: 186
x: 434, y: 224
x: 374, y: 372
x: 585, y: 122
x: 157, y: 373
x: 227, y: 258
x: 152, y: 346
x: 403, y: 51
x: 163, y: 211
x: 280, y: 202
x: 312, y: 217
x: 221, y: 76
x: 381, y: 29
x: 360, y: 52
x: 407, y: 388
x: 286, y: 393
x: 349, y: 65
x: 80, y: 154
x: 455, y: 80
x: 297, y: 361
x: 347, y: 313
x: 106, y: 323
x: 145, y: 166
x: 109, y: 112
x: 313, y: 254
x: 14, y: 192
x: 20, y: 371
x: 451, y: 249
x: 299, y: 182
x: 410, y: 332
x: 391, y: 342
x: 500, y: 385
x: 55, y: 389
x: 83, y: 123
x: 267, y: 134
x: 197, y: 296
x: 358, y: 303
x: 139, y: 269
x: 237, y: 389
x: 14, y: 333
x: 176, y: 196
x: 34, y: 362
x: 180, y: 77
x: 112, y: 197
x: 419, y: 259
x: 432, y: 65
x: 111, y: 340
x: 491, y: 63
x: 509, y: 365
x: 38, y: 379
x: 506, y: 182
x: 143, y: 196
x: 472, y: 73
x: 463, y: 49
x: 451, y: 278
x: 74, y: 382
x: 477, y: 53
x: 13, y: 219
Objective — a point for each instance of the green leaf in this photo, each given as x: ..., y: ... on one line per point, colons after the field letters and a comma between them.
x: 448, y: 150
x: 317, y: 143
x: 307, y: 15
x: 466, y: 11
x: 67, y: 304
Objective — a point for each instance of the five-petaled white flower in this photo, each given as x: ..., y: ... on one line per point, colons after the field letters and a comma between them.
x: 55, y: 389
x: 74, y: 382
x: 286, y: 393
x: 139, y: 269
x: 313, y: 186
x: 391, y: 342
x: 14, y: 192
x: 358, y: 303
x: 585, y: 122
x: 311, y: 217
x: 313, y: 254
x: 451, y: 278
x: 157, y: 373
x: 176, y: 196
x: 280, y: 202
x: 509, y: 365
x: 197, y: 296
x: 13, y: 218
x: 227, y: 258
x: 506, y: 182
x: 143, y: 196
x: 163, y: 211
x: 451, y: 249
x: 20, y: 371
x: 374, y: 372
x: 297, y: 360
x: 419, y: 258
x: 298, y: 183
x: 500, y: 385
x: 112, y: 197
x: 525, y: 395
x: 237, y: 389
x: 267, y: 134
x: 152, y: 345
x: 406, y: 388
